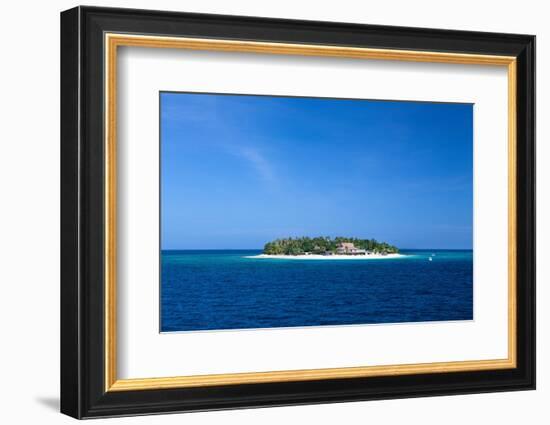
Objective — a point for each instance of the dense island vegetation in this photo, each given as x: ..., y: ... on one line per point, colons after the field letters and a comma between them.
x: 327, y: 246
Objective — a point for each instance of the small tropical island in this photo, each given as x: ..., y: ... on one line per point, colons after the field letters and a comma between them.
x: 328, y: 248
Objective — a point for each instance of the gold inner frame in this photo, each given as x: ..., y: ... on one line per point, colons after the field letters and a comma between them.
x: 113, y: 41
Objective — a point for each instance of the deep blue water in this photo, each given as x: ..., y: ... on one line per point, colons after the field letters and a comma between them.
x: 205, y: 290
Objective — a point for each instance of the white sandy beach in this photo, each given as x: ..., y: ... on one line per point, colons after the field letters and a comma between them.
x: 328, y: 257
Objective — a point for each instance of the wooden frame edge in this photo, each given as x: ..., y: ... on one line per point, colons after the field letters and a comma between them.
x: 110, y: 213
x: 512, y: 212
x: 307, y: 375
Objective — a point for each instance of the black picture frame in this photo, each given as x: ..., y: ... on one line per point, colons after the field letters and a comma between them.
x: 83, y: 392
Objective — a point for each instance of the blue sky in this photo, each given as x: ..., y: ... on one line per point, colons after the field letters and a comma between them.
x: 238, y: 171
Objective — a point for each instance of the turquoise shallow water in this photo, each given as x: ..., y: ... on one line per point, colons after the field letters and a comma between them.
x: 208, y: 290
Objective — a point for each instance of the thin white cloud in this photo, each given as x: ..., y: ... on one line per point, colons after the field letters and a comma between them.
x: 258, y: 162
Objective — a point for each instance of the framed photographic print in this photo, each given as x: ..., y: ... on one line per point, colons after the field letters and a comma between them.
x: 261, y: 212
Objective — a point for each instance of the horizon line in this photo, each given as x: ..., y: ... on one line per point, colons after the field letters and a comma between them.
x: 261, y: 249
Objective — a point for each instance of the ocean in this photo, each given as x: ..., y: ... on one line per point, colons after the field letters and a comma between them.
x: 215, y: 290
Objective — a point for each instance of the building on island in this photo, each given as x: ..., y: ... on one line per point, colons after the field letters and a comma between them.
x: 348, y: 248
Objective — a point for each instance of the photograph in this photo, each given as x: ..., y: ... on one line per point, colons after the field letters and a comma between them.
x: 281, y: 212
x: 265, y: 209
